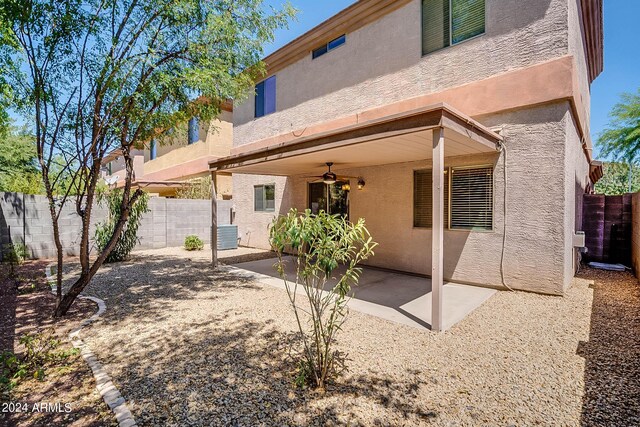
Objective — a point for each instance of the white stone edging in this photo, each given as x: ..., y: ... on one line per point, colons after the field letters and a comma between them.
x: 104, y: 384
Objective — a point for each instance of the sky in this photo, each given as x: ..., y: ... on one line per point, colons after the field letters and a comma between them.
x: 621, y: 49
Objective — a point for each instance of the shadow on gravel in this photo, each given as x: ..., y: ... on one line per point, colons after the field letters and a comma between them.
x: 138, y: 287
x: 612, y: 354
x: 241, y: 373
x: 226, y: 370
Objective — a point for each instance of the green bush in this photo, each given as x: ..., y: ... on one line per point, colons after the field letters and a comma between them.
x: 41, y: 351
x: 321, y: 243
x: 193, y: 243
x: 198, y: 188
x: 128, y: 240
x: 15, y: 254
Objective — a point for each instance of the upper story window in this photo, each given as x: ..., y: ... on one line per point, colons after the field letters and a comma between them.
x: 333, y: 44
x: 266, y: 97
x: 153, y: 150
x: 194, y: 130
x: 448, y: 22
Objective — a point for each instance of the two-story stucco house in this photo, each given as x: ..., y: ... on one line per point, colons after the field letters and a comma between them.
x: 459, y: 129
x: 162, y: 168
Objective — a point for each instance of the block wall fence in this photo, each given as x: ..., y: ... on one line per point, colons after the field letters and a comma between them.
x: 635, y: 233
x: 25, y: 219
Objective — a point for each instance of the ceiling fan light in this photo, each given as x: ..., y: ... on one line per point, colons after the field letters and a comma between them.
x: 329, y: 178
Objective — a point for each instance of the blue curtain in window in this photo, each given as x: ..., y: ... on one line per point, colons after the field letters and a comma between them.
x: 153, y: 149
x: 194, y: 130
x: 266, y: 97
x: 270, y: 95
x: 260, y: 99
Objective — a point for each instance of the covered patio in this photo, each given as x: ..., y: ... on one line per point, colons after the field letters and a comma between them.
x: 427, y: 133
x: 409, y: 303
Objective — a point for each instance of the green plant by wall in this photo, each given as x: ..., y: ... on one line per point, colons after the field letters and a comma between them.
x: 193, y: 243
x: 14, y: 254
x: 198, y: 188
x: 112, y: 200
x: 321, y: 243
x: 615, y: 179
x: 41, y: 350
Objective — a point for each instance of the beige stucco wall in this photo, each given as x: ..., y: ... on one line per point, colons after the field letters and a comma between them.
x: 253, y: 226
x: 544, y: 165
x: 381, y: 63
x: 576, y: 171
x: 215, y: 139
x: 577, y: 49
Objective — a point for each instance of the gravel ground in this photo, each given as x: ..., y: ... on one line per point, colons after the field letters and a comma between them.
x: 228, y: 257
x: 612, y: 373
x: 189, y: 346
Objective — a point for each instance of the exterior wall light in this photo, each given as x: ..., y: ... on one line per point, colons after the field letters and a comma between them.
x: 346, y: 187
x: 360, y: 183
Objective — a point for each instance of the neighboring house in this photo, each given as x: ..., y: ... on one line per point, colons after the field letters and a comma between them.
x: 162, y: 169
x: 479, y: 108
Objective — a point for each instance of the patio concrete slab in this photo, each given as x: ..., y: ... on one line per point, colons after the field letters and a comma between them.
x: 400, y: 298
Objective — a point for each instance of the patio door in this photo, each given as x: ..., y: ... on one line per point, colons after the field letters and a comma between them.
x: 333, y: 198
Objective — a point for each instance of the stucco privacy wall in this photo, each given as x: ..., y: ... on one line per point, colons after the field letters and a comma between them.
x: 382, y: 63
x: 253, y: 226
x: 537, y: 255
x: 576, y: 171
x: 25, y: 219
x: 635, y: 233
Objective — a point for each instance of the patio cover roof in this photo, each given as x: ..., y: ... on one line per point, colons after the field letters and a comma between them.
x: 396, y: 138
x: 424, y: 133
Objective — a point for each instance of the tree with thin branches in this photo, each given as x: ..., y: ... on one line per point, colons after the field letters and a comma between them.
x: 99, y: 75
x: 621, y: 138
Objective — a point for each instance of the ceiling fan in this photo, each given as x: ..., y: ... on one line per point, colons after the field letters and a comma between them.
x: 329, y: 177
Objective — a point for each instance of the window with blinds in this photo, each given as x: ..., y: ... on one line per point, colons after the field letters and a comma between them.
x: 471, y: 198
x: 423, y: 198
x: 468, y: 198
x: 447, y: 22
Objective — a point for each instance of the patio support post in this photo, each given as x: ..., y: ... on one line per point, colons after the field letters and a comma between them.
x: 437, y: 229
x: 214, y: 221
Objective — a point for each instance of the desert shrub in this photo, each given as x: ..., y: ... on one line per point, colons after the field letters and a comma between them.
x: 193, y: 243
x: 129, y: 238
x: 197, y: 188
x: 14, y: 254
x: 321, y: 243
x: 40, y: 351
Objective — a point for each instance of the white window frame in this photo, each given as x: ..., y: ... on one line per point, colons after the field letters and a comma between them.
x: 264, y: 197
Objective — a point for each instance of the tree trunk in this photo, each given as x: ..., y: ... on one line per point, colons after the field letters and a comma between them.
x: 84, y: 279
x: 65, y: 304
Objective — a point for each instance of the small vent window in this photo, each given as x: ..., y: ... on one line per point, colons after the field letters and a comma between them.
x: 333, y: 44
x: 264, y: 198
